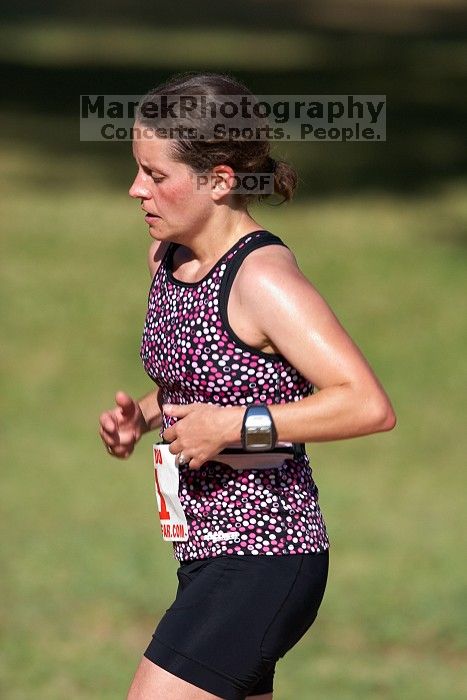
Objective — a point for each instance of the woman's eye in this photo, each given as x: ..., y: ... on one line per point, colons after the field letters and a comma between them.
x: 157, y: 178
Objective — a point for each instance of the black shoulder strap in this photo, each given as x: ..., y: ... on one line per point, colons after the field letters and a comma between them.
x: 267, y: 238
x: 231, y: 270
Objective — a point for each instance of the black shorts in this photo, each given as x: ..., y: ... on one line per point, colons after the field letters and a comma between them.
x: 234, y: 616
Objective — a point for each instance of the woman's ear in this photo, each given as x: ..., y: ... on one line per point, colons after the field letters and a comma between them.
x: 222, y: 181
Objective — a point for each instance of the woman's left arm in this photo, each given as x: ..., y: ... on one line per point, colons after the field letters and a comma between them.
x: 296, y: 320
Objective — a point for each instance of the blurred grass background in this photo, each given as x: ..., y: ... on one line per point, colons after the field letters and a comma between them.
x: 380, y: 229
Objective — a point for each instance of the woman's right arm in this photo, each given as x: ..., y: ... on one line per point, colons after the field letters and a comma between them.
x: 122, y: 426
x: 151, y: 410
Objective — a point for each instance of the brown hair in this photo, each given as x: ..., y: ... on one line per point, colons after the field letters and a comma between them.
x: 242, y: 155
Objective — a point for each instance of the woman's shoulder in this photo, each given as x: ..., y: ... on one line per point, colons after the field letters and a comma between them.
x: 272, y: 269
x: 156, y: 253
x: 271, y: 257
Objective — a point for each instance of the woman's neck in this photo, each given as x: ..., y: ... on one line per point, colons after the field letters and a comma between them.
x: 209, y: 245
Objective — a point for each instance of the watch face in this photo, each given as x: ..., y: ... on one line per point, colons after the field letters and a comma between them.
x: 258, y: 439
x: 257, y: 431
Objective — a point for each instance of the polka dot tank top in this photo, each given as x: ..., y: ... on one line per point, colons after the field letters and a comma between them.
x: 189, y: 349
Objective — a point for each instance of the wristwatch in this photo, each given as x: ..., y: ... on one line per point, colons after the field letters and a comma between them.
x: 258, y: 430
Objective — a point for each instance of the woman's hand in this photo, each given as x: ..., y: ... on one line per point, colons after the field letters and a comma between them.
x: 122, y: 427
x: 200, y: 430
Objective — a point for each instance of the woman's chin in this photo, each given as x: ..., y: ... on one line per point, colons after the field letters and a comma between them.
x: 154, y: 228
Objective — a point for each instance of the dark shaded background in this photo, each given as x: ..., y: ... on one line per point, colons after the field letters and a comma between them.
x: 413, y: 51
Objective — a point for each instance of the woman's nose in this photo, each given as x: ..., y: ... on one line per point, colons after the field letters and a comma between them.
x: 138, y: 190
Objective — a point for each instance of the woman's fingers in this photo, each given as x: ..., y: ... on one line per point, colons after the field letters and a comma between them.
x: 114, y: 435
x: 109, y: 423
x: 108, y: 429
x: 126, y: 404
x: 175, y: 447
x: 192, y: 462
x: 121, y: 451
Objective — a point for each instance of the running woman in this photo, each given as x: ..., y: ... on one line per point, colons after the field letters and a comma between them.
x: 234, y: 335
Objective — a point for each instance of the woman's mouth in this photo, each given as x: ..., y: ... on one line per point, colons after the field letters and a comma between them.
x: 150, y: 218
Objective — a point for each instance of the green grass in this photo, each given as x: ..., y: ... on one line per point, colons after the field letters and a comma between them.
x: 85, y: 576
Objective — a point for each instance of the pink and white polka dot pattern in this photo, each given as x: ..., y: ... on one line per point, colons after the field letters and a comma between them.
x: 190, y: 350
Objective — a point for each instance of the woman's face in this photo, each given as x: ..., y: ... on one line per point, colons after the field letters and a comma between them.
x: 166, y: 188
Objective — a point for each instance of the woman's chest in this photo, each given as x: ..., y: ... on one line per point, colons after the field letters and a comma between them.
x: 180, y: 313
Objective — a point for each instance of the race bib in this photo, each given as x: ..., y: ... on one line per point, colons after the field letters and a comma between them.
x: 174, y: 526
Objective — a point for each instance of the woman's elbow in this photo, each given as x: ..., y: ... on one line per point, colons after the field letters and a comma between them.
x: 385, y: 418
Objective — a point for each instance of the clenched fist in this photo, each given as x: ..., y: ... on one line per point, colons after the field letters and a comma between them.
x: 122, y: 427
